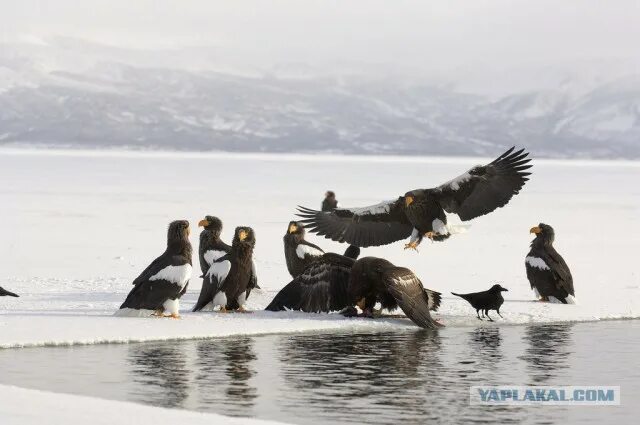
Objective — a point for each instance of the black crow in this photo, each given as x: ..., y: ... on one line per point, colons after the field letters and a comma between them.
x: 486, y: 300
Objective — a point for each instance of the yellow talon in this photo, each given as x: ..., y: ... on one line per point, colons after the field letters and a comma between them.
x: 430, y: 235
x: 175, y: 316
x: 412, y: 245
x: 241, y: 309
x: 223, y: 309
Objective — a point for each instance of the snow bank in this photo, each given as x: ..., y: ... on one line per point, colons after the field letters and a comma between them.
x: 18, y: 408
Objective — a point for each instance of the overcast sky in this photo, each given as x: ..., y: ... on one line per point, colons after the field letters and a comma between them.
x: 411, y: 35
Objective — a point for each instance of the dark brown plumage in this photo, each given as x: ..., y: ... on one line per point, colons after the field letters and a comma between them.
x: 329, y: 203
x: 335, y: 282
x: 485, y: 301
x: 548, y: 273
x: 419, y: 213
x: 159, y: 287
x: 228, y: 282
x: 211, y: 247
x: 299, y: 253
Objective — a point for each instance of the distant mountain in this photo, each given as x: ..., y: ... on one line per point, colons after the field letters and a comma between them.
x: 100, y: 102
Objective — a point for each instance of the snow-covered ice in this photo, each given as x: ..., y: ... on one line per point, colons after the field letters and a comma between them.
x: 78, y: 227
x: 17, y: 408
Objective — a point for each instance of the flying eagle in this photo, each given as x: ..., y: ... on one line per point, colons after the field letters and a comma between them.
x: 547, y: 271
x: 421, y: 212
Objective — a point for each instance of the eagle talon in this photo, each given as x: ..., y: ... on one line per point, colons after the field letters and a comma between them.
x: 431, y: 235
x: 412, y: 245
x: 175, y: 316
x: 241, y: 309
x: 223, y: 309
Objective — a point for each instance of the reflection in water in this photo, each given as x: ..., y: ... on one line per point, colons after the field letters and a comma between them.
x: 341, y: 375
x: 162, y: 370
x: 549, y: 352
x: 224, y: 369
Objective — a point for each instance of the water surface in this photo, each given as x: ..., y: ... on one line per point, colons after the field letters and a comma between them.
x: 384, y: 378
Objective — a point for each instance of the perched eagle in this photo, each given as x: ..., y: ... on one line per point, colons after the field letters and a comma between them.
x: 329, y: 203
x: 229, y: 280
x: 5, y: 293
x: 159, y: 287
x: 421, y: 212
x: 547, y: 271
x: 299, y: 253
x: 335, y: 283
x: 211, y: 247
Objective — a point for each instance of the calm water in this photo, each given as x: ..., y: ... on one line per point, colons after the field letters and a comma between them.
x: 383, y: 378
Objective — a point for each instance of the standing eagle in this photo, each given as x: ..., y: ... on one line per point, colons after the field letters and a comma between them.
x: 547, y: 271
x: 159, y: 287
x: 421, y: 212
x: 299, y: 253
x: 335, y: 283
x: 211, y: 246
x: 229, y: 280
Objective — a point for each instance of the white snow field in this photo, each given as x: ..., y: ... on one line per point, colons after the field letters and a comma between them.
x: 78, y: 226
x: 17, y: 408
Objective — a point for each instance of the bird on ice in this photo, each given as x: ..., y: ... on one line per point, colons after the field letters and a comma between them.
x: 300, y: 253
x: 486, y: 300
x: 422, y: 212
x: 329, y: 203
x: 212, y: 247
x: 228, y: 282
x: 338, y: 283
x: 159, y: 287
x: 547, y: 271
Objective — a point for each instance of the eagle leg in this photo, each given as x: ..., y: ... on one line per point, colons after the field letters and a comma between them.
x: 158, y: 313
x: 241, y: 309
x: 175, y: 316
x: 498, y: 311
x: 488, y: 317
x: 544, y: 299
x: 223, y: 309
x: 412, y: 245
x: 431, y: 235
x: 478, y: 314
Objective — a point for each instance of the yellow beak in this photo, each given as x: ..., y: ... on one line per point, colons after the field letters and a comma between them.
x: 293, y: 228
x: 535, y: 230
x: 242, y: 235
x: 408, y: 200
x: 203, y: 223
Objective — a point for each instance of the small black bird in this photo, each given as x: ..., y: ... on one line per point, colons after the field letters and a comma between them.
x: 5, y: 293
x: 547, y: 271
x: 159, y: 287
x: 485, y: 301
x: 211, y: 247
x: 330, y: 202
x: 298, y: 252
x: 228, y: 282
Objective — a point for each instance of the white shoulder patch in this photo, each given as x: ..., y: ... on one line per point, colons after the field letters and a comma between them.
x: 537, y: 263
x: 381, y: 208
x: 212, y: 255
x: 176, y: 274
x: 303, y: 250
x: 220, y: 270
x: 454, y: 184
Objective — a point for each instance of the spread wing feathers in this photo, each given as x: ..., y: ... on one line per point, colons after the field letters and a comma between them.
x: 410, y: 295
x: 560, y: 269
x: 375, y: 225
x: 435, y: 298
x: 322, y: 287
x: 213, y: 280
x: 483, y: 189
x: 150, y: 295
x: 5, y: 293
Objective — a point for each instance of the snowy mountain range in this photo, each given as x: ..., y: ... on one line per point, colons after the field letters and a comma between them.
x: 75, y: 94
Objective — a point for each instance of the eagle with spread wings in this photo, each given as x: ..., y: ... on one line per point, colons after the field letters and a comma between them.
x: 422, y: 212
